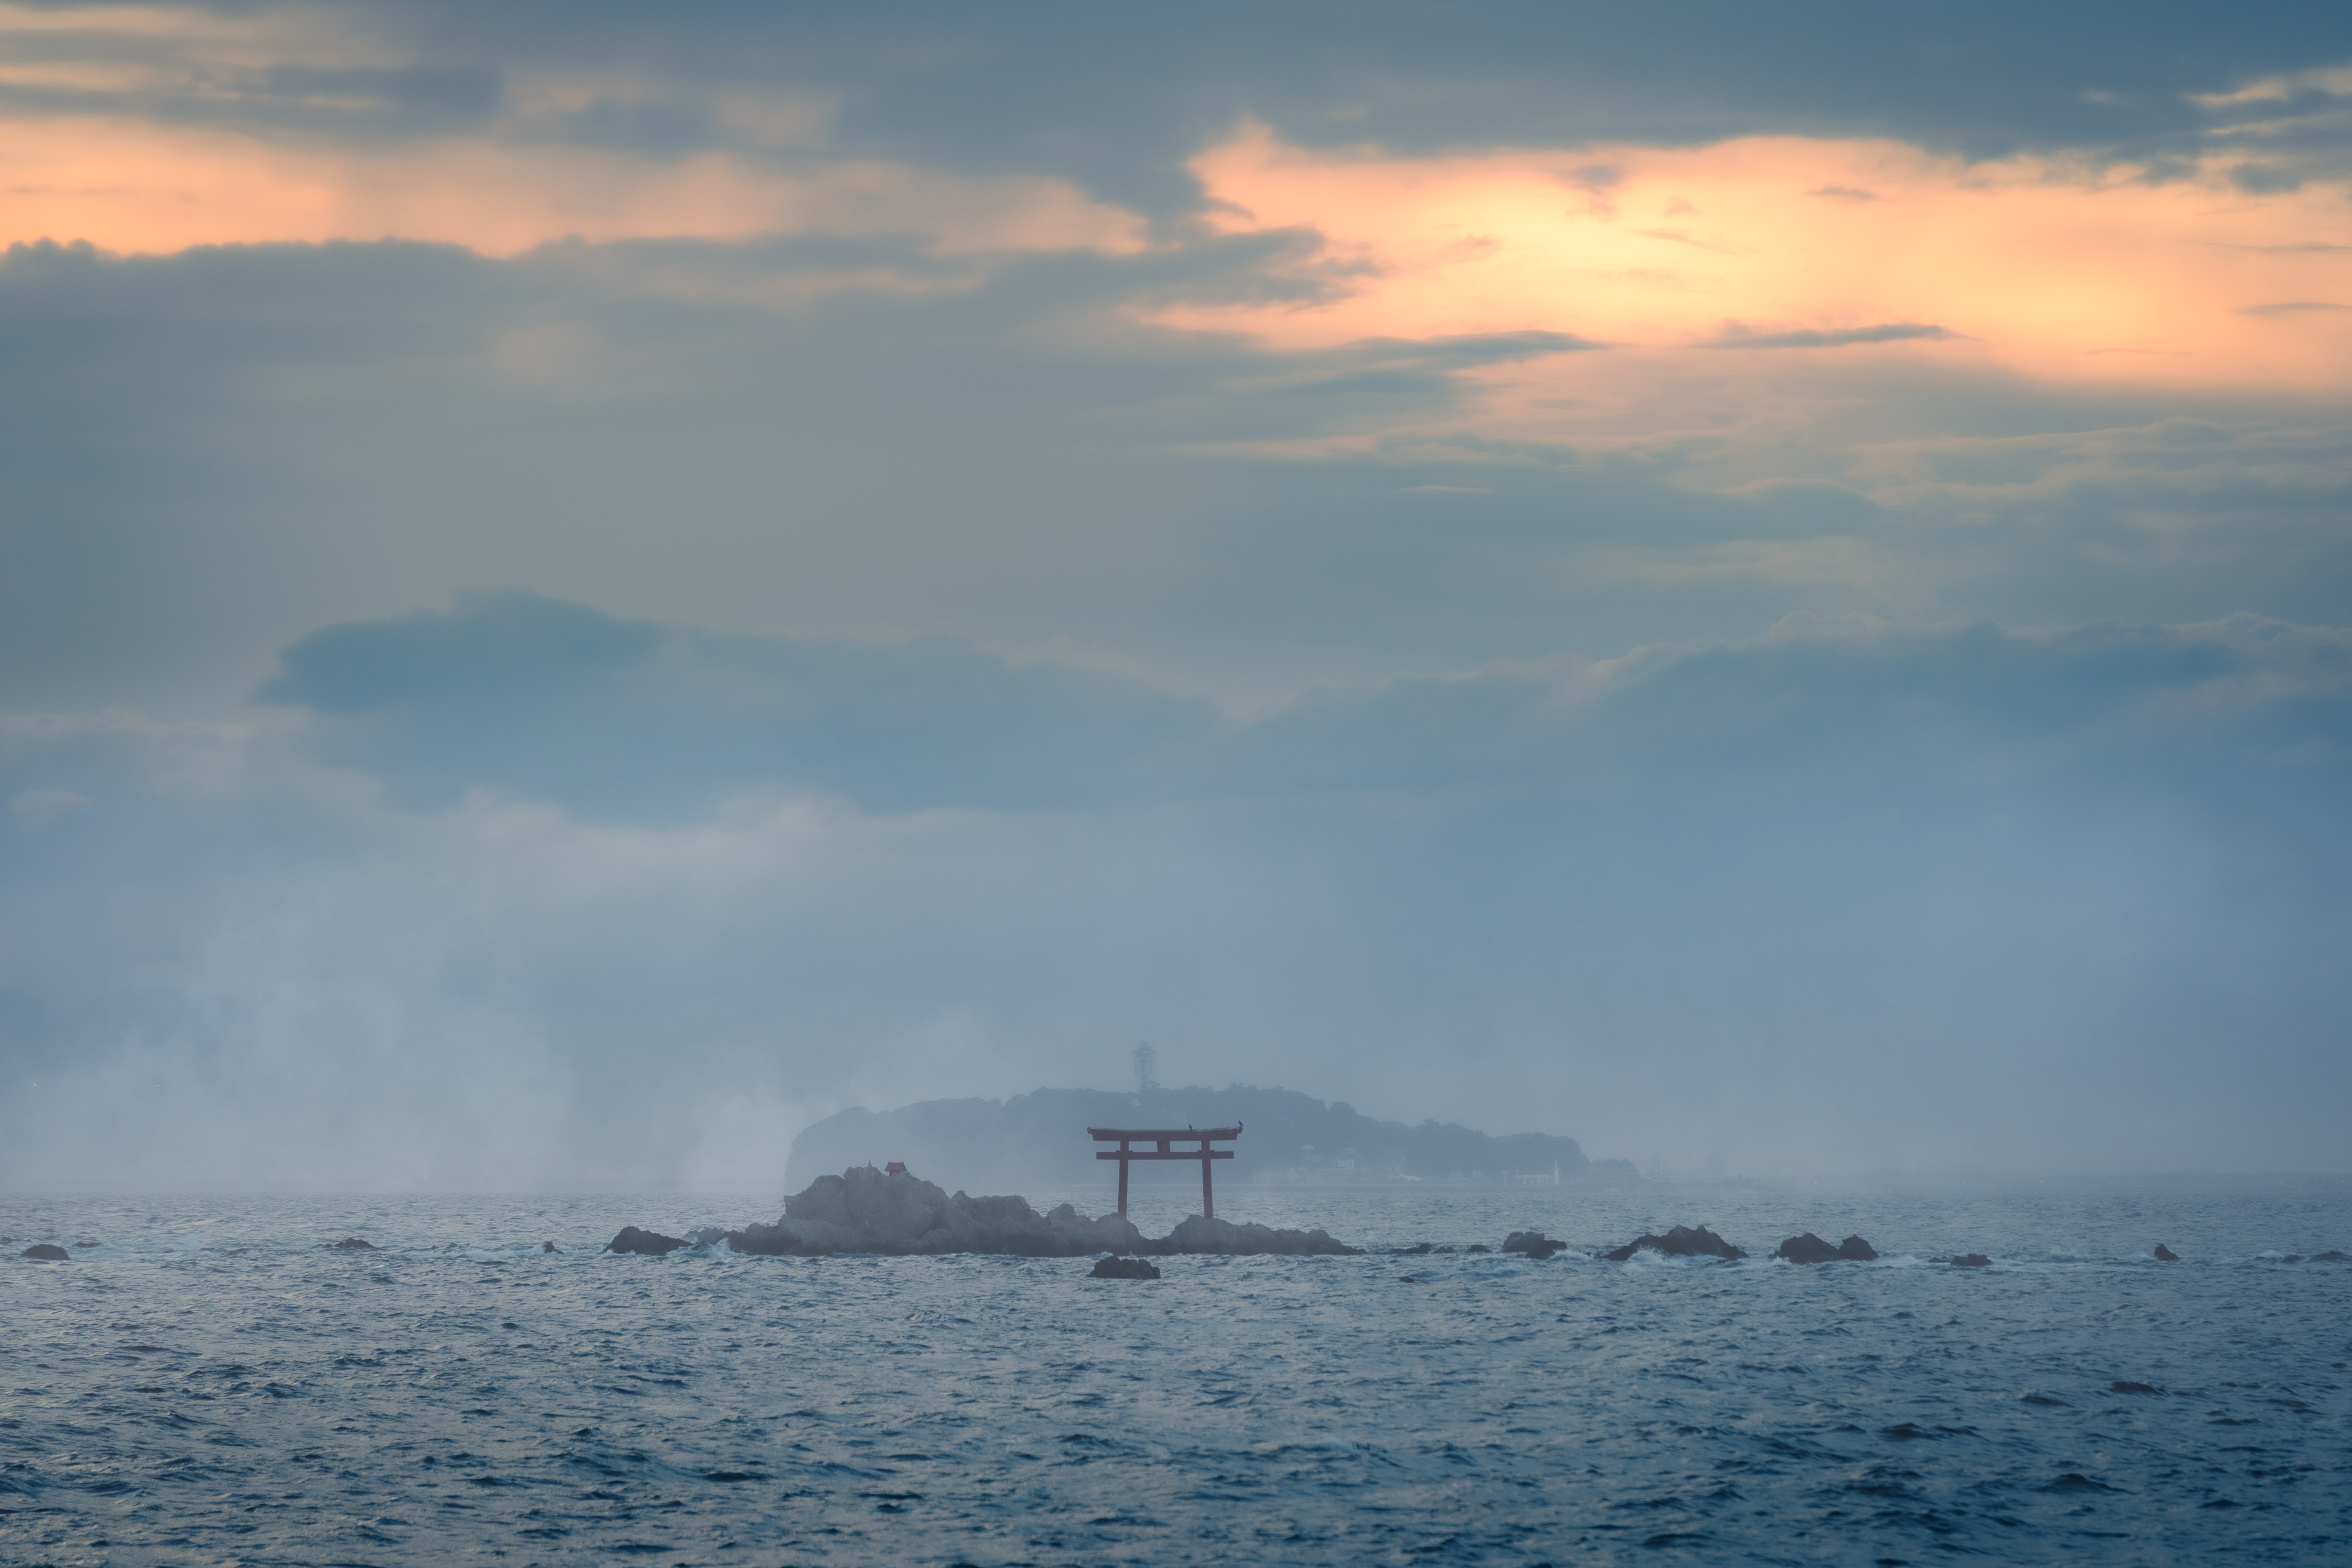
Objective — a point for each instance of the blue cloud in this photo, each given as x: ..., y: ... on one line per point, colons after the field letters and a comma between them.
x: 1890, y: 332
x: 538, y: 699
x: 526, y: 695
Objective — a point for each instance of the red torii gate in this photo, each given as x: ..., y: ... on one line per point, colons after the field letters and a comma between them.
x: 1163, y: 1137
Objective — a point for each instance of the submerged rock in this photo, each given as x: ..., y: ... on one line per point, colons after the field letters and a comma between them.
x: 1682, y: 1241
x: 45, y: 1252
x: 1812, y: 1249
x: 645, y: 1243
x: 547, y: 1247
x: 353, y: 1243
x: 864, y: 1210
x: 1533, y: 1243
x: 2329, y: 1258
x: 2166, y: 1254
x: 1218, y: 1235
x: 1124, y: 1268
x: 1965, y: 1261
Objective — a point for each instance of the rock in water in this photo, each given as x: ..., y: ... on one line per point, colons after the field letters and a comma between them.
x: 547, y: 1247
x: 45, y: 1252
x: 1812, y: 1249
x: 1970, y: 1260
x: 2166, y: 1254
x: 867, y: 1210
x: 353, y: 1243
x: 1682, y: 1241
x: 1806, y: 1249
x: 645, y: 1243
x: 1124, y: 1268
x: 1533, y: 1243
x: 864, y: 1210
x: 2328, y: 1258
x: 1218, y: 1235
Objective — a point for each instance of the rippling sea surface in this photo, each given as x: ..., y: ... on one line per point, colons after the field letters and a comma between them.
x: 209, y: 1384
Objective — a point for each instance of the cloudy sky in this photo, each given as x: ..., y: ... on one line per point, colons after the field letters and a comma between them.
x: 1767, y: 588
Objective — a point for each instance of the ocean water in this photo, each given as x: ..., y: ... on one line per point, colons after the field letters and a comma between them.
x: 209, y: 1384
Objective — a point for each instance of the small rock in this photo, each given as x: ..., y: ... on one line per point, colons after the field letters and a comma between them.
x: 45, y: 1252
x: 2166, y: 1254
x: 1123, y: 1268
x: 1970, y: 1260
x: 547, y: 1247
x: 2328, y: 1258
x: 1533, y: 1243
x: 643, y: 1243
x: 1682, y: 1241
x: 353, y: 1243
x: 1478, y: 1246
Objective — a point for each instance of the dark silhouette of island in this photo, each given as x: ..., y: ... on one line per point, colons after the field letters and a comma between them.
x: 1039, y: 1140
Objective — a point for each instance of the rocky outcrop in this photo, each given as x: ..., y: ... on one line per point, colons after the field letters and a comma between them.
x: 1123, y: 1268
x: 645, y: 1243
x: 1533, y: 1243
x: 867, y: 1210
x: 2166, y: 1254
x: 864, y: 1210
x: 1812, y: 1249
x: 1218, y: 1235
x: 45, y: 1252
x: 353, y: 1243
x: 1682, y: 1241
x: 1965, y: 1261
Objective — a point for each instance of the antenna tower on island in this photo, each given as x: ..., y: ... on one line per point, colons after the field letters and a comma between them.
x: 1147, y: 1061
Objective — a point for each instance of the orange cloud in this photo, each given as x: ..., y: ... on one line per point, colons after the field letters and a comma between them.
x: 1783, y: 246
x: 119, y: 174
x: 129, y: 185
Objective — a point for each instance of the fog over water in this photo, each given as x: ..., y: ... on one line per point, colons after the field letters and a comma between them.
x: 580, y: 591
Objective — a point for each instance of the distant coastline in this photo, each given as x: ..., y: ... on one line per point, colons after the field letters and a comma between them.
x: 1291, y: 1139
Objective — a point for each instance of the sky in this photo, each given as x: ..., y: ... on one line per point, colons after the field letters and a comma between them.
x: 583, y: 585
